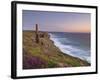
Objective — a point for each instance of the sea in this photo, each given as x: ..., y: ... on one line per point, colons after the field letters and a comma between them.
x: 74, y: 44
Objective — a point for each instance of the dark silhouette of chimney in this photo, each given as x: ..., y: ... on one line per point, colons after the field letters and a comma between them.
x: 37, y: 34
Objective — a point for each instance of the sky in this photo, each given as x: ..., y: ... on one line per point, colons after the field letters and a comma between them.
x: 56, y: 21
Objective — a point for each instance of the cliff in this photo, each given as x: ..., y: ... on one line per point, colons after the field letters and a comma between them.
x: 45, y: 54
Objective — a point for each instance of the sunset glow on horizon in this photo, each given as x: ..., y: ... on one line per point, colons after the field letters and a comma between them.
x: 57, y: 21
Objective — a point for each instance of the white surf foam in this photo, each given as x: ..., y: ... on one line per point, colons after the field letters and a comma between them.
x: 70, y: 50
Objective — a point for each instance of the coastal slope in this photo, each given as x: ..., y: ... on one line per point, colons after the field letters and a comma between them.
x: 45, y: 54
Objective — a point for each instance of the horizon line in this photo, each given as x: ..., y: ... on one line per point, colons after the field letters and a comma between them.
x: 58, y: 31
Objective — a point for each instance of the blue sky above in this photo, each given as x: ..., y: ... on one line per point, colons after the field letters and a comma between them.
x: 56, y: 21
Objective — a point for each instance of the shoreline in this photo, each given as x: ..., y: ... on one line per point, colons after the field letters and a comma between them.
x: 57, y: 43
x: 45, y: 54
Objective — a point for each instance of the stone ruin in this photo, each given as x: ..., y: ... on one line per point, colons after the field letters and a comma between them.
x: 37, y: 34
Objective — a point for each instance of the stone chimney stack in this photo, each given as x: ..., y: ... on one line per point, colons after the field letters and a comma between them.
x: 37, y: 34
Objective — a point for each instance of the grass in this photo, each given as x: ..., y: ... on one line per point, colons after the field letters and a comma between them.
x: 46, y: 54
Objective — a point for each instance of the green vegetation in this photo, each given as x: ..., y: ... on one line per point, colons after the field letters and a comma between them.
x: 45, y: 54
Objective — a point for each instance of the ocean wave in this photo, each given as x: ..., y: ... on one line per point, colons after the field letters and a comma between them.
x: 70, y: 49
